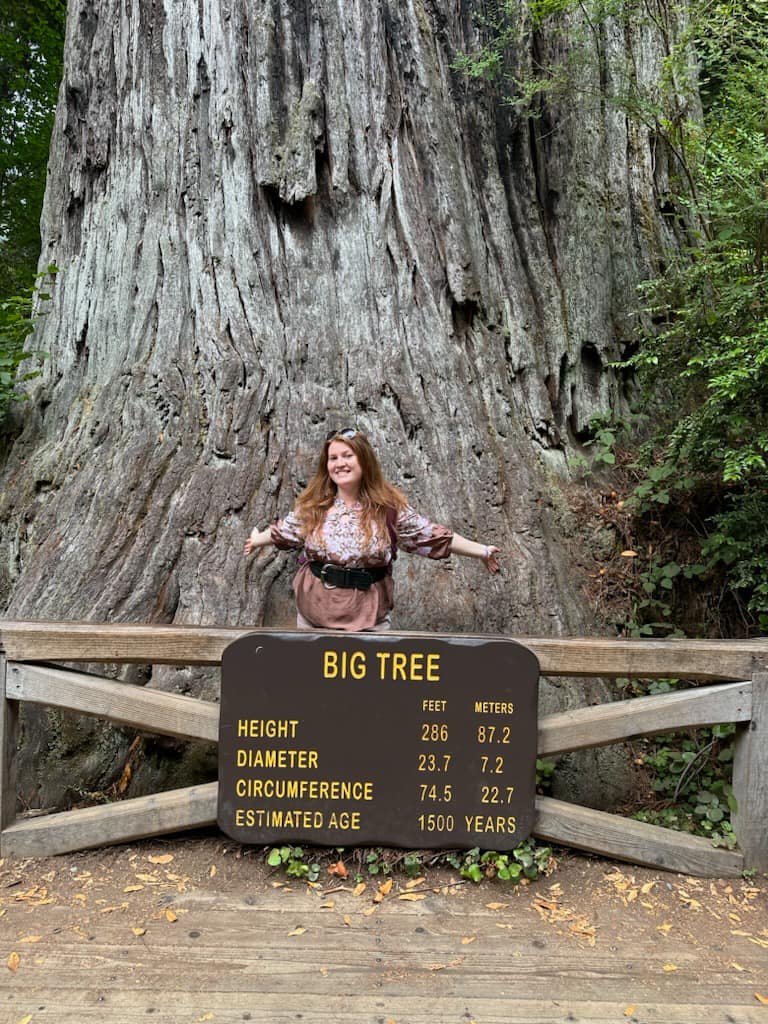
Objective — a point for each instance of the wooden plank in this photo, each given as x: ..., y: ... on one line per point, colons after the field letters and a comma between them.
x: 412, y: 957
x: 750, y: 780
x: 203, y: 645
x: 643, y: 716
x: 233, y: 955
x: 129, y: 1005
x: 168, y: 714
x: 173, y: 811
x: 253, y: 951
x: 120, y: 642
x: 614, y: 836
x: 9, y: 734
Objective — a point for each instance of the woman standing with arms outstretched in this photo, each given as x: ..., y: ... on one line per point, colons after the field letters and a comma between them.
x: 350, y: 521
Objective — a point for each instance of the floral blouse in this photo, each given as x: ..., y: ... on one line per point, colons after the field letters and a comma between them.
x: 340, y: 540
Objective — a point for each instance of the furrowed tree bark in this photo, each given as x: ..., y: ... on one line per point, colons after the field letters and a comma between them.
x: 273, y: 219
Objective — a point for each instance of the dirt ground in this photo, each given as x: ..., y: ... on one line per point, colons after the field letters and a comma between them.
x: 201, y: 929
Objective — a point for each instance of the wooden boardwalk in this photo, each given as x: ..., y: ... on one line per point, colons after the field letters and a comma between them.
x: 114, y: 937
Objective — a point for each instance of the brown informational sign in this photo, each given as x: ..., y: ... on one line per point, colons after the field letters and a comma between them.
x: 377, y: 740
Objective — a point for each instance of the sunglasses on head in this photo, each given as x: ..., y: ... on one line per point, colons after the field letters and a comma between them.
x: 348, y: 432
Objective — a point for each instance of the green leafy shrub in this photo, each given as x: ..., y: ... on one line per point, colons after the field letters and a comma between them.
x: 527, y: 861
x: 17, y: 321
x: 691, y: 777
x: 293, y: 860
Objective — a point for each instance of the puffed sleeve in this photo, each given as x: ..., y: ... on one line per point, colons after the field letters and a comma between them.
x: 288, y: 533
x: 418, y: 536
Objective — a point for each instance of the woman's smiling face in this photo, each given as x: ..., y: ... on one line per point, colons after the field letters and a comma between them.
x: 343, y: 466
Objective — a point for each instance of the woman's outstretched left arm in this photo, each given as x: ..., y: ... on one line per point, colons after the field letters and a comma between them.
x: 485, y: 552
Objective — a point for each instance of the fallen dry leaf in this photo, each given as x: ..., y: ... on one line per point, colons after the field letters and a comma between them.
x: 414, y: 882
x: 412, y: 896
x: 497, y: 906
x: 761, y: 999
x: 170, y: 916
x: 691, y: 903
x: 328, y: 905
x: 760, y: 942
x: 386, y: 887
x: 585, y: 930
x: 338, y: 870
x: 369, y: 910
x: 665, y: 928
x: 111, y: 910
x: 669, y: 968
x: 441, y: 967
x: 25, y: 1020
x: 31, y: 938
x: 13, y: 962
x: 37, y: 896
x: 297, y: 931
x: 467, y: 939
x: 206, y: 1016
x: 212, y: 871
x: 139, y: 931
x: 347, y: 920
x: 160, y: 858
x: 736, y: 967
x: 629, y: 1011
x: 542, y: 904
x: 133, y: 888
x: 359, y: 889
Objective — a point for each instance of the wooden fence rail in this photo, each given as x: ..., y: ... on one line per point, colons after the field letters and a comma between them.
x: 26, y: 646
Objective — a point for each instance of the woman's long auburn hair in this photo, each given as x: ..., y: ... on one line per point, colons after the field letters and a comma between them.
x: 378, y: 497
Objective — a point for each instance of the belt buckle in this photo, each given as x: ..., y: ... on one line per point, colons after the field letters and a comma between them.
x: 328, y: 586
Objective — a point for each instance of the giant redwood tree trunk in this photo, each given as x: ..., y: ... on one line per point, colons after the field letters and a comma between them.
x: 273, y: 218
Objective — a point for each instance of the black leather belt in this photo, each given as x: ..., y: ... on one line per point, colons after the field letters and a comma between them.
x: 339, y: 576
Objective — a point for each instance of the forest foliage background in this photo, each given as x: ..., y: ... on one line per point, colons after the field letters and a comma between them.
x: 690, y: 452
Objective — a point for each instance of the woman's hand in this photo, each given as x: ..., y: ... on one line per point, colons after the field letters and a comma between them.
x: 490, y: 559
x: 487, y: 553
x: 257, y: 539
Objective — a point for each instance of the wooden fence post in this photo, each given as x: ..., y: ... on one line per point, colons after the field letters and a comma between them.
x: 9, y: 732
x: 750, y: 779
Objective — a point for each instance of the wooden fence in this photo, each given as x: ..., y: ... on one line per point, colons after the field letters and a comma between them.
x: 736, y: 690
